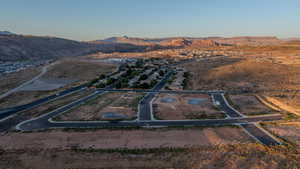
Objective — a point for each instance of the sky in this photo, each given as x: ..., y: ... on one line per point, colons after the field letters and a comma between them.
x: 98, y: 19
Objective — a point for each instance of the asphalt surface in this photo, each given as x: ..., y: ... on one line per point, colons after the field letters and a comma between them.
x: 221, y: 102
x: 260, y: 134
x: 43, y: 123
x: 257, y: 133
x: 4, y: 113
x: 8, y: 112
x: 145, y: 111
x: 165, y: 91
x: 145, y: 116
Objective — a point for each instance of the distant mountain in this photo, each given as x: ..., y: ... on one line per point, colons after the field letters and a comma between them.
x: 15, y: 47
x: 250, y: 40
x: 18, y: 47
x: 195, y: 42
x: 6, y: 33
x: 291, y: 39
x: 129, y: 40
x: 171, y: 42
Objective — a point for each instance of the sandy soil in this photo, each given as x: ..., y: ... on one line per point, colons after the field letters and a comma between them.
x: 181, y: 109
x: 106, y: 139
x: 249, y: 105
x: 123, y: 103
x: 287, y: 131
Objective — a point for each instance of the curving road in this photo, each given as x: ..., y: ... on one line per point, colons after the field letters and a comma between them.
x: 9, y: 112
x: 253, y: 129
x: 145, y: 116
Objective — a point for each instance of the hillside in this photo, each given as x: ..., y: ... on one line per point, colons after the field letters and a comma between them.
x: 195, y: 42
x: 171, y: 42
x: 250, y: 40
x: 18, y: 47
x: 240, y: 74
x: 273, y: 76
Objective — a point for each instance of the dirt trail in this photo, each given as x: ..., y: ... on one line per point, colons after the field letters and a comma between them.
x: 276, y: 104
x: 44, y: 70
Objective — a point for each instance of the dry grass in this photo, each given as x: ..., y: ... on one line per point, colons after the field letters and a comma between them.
x: 24, y: 97
x: 240, y: 75
x: 108, y: 102
x: 13, y: 80
x: 288, y: 131
x: 40, y: 110
x: 131, y: 139
x: 71, y: 69
x: 79, y: 69
x: 249, y: 105
x: 246, y: 74
x: 250, y: 156
x: 180, y: 109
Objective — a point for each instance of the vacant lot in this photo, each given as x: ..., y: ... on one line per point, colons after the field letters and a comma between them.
x: 289, y: 132
x: 24, y: 97
x: 189, y: 106
x: 131, y: 139
x: 78, y: 70
x: 212, y: 157
x: 45, y: 108
x: 248, y: 75
x: 13, y: 80
x: 241, y: 75
x: 249, y: 105
x: 42, y: 109
x: 44, y: 84
x: 66, y: 71
x: 123, y: 103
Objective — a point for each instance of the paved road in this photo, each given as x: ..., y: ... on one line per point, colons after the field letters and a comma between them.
x: 42, y: 123
x: 145, y: 107
x: 4, y: 113
x: 145, y: 116
x: 222, y: 103
x: 253, y: 130
x: 8, y: 112
x: 165, y: 91
x: 260, y: 134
